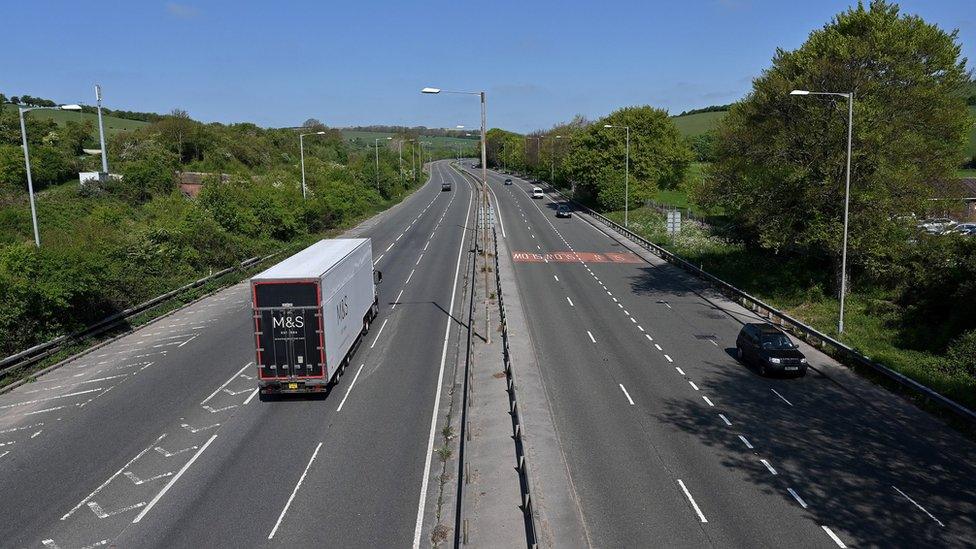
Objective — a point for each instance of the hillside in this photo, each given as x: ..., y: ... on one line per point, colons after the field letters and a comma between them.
x: 696, y: 124
x: 113, y: 124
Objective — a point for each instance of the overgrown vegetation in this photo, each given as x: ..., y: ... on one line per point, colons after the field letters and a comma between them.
x: 107, y: 246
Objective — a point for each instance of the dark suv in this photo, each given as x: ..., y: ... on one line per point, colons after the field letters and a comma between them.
x: 770, y: 350
x: 508, y: 180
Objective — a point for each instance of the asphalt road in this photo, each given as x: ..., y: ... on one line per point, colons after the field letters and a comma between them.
x: 158, y: 440
x: 671, y: 442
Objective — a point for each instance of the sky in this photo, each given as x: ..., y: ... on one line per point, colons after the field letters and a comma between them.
x: 360, y: 63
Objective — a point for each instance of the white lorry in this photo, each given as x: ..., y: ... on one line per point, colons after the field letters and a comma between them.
x: 310, y: 312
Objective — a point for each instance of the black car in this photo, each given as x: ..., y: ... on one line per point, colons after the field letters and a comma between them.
x: 445, y: 186
x: 770, y: 350
x: 508, y: 181
x: 563, y: 211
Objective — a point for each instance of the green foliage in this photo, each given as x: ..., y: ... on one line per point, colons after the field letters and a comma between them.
x: 12, y: 170
x: 703, y: 146
x: 962, y: 354
x: 781, y: 158
x: 659, y: 157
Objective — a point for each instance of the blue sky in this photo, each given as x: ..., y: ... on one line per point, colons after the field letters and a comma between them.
x: 350, y: 63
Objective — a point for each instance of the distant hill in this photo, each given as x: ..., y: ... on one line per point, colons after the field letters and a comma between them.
x: 363, y: 137
x: 698, y: 123
x: 113, y: 124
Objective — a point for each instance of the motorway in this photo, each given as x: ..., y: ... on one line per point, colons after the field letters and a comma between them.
x: 670, y: 442
x: 157, y: 439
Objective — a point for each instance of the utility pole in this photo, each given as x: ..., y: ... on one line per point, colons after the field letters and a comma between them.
x: 101, y: 129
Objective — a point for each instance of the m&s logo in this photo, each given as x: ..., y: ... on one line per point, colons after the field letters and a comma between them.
x: 342, y: 308
x: 288, y: 322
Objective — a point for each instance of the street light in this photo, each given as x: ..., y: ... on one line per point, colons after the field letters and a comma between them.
x: 101, y: 129
x: 30, y: 181
x: 847, y: 193
x: 626, y: 172
x: 301, y: 151
x: 376, y: 147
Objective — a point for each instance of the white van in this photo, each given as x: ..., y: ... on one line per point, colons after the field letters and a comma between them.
x: 537, y: 193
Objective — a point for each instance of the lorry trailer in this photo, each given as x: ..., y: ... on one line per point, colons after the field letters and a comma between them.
x: 310, y: 312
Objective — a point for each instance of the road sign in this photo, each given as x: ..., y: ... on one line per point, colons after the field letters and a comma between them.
x: 674, y: 222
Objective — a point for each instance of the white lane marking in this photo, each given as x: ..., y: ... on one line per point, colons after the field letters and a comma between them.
x: 570, y: 301
x: 187, y: 341
x: 626, y: 312
x: 498, y: 210
x: 693, y: 386
x: 707, y: 401
x: 668, y: 357
x: 425, y: 245
x: 591, y: 336
x: 556, y: 277
x: 138, y: 481
x: 833, y: 536
x: 11, y: 430
x: 658, y: 347
x: 437, y: 394
x: 781, y: 396
x: 37, y: 433
x: 768, y: 466
x: 111, y: 478
x: 397, y: 300
x: 4, y: 453
x: 745, y: 441
x: 939, y: 522
x: 44, y: 410
x: 379, y: 333
x: 226, y: 383
x: 166, y: 453
x: 725, y: 419
x: 797, y: 498
x: 50, y: 398
x: 390, y: 247
x: 399, y: 237
x: 172, y: 481
x: 418, y: 259
x: 648, y: 336
x: 712, y: 341
x: 101, y: 513
x: 409, y: 276
x: 253, y: 394
x: 634, y: 320
x: 378, y: 259
x: 295, y: 491
x: 621, y: 305
x: 701, y: 516
x: 349, y: 390
x: 2, y: 444
x: 639, y: 327
x: 626, y: 394
x: 680, y: 371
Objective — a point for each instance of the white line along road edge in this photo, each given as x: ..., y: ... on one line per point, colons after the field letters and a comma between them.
x: 440, y: 381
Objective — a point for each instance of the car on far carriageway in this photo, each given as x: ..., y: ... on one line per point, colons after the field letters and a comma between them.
x: 508, y: 180
x: 770, y: 350
x: 537, y: 192
x: 563, y: 211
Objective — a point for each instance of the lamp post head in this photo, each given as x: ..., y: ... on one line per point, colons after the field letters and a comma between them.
x: 799, y: 92
x: 608, y: 125
x: 430, y: 90
x: 319, y: 133
x: 70, y: 107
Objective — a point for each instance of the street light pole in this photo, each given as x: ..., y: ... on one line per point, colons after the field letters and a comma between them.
x: 847, y: 194
x: 626, y: 174
x: 101, y: 129
x: 301, y: 153
x: 376, y: 148
x: 30, y: 180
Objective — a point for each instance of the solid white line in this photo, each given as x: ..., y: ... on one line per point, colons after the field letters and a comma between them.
x: 378, y: 259
x: 919, y: 506
x: 409, y: 276
x: 226, y: 383
x: 253, y: 394
x: 797, y: 498
x: 349, y: 390
x: 172, y: 481
x: 693, y: 386
x: 668, y: 358
x: 397, y: 300
x: 833, y: 536
x: 709, y: 402
x: 498, y: 212
x: 437, y: 395
x: 781, y: 396
x: 570, y: 301
x: 768, y: 466
x: 377, y: 338
x: 591, y: 336
x: 725, y: 419
x: 295, y: 491
x: 701, y: 516
x: 626, y: 394
x: 746, y: 442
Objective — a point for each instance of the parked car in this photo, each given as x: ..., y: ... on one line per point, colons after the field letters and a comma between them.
x: 508, y: 180
x: 563, y: 211
x: 968, y: 229
x: 770, y: 350
x: 937, y: 225
x: 537, y: 193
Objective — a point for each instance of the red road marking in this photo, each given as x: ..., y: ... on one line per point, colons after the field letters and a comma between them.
x: 575, y: 257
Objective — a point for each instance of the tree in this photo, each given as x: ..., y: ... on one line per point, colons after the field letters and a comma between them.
x: 659, y: 156
x: 781, y: 159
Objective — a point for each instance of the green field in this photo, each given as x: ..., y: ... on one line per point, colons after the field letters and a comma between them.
x: 696, y: 124
x: 113, y: 125
x: 438, y: 142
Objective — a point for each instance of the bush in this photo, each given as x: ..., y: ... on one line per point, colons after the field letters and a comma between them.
x: 961, y: 355
x: 13, y: 173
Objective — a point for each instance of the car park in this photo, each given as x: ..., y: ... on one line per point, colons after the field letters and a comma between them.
x: 563, y: 211
x: 770, y: 350
x: 537, y: 193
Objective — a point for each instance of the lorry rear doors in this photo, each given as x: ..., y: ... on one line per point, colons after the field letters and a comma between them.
x: 288, y: 326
